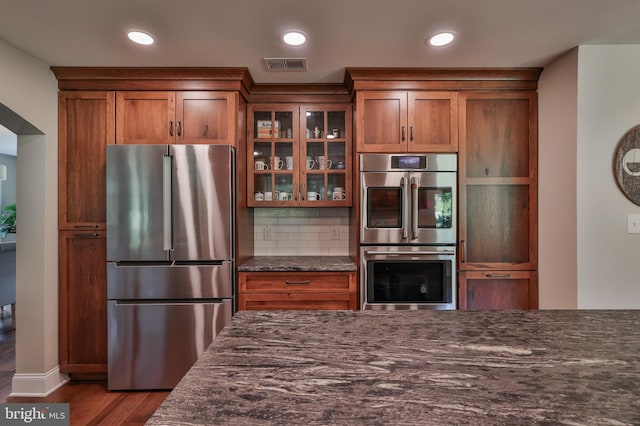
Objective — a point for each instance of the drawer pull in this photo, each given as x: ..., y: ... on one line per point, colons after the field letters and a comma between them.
x: 498, y: 275
x: 297, y: 282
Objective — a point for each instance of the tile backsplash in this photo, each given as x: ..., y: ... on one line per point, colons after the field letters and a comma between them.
x: 301, y: 231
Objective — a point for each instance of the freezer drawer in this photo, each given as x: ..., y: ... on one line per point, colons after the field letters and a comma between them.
x: 158, y: 281
x: 152, y: 345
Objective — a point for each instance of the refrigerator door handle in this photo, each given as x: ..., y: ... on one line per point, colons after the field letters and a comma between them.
x: 166, y: 202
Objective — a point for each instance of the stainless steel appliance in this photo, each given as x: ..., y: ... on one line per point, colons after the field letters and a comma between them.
x: 408, y: 231
x: 170, y: 251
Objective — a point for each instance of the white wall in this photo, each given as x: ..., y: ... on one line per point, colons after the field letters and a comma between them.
x: 608, y: 106
x: 557, y: 142
x: 29, y: 89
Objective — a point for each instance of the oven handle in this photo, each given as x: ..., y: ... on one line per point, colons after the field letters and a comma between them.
x: 414, y: 208
x: 405, y: 207
x: 410, y: 253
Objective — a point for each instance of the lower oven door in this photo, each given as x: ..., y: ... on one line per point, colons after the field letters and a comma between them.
x: 408, y: 277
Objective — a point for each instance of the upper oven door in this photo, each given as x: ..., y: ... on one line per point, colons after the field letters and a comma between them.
x: 385, y: 209
x: 433, y: 207
x: 408, y: 208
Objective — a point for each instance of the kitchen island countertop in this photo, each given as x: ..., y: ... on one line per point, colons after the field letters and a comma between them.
x: 415, y: 368
x: 298, y: 263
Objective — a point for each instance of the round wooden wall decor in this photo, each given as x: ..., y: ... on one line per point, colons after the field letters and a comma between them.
x: 627, y: 164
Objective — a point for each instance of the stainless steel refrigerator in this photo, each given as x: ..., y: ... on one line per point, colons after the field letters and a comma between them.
x: 170, y: 258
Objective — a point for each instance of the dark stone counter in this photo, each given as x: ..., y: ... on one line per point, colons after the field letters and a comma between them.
x: 415, y: 368
x: 298, y: 263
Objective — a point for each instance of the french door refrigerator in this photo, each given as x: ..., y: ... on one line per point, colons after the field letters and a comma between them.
x: 170, y: 258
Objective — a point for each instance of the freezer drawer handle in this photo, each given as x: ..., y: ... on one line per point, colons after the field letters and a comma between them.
x: 86, y: 234
x: 298, y: 282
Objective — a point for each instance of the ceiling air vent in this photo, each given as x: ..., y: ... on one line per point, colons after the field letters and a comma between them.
x: 286, y: 64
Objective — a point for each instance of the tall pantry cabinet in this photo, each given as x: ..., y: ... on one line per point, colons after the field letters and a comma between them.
x: 96, y: 108
x: 86, y: 125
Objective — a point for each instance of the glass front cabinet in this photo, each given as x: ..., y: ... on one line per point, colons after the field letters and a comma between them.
x: 299, y: 155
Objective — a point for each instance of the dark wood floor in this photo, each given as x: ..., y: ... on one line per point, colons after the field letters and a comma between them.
x: 90, y: 403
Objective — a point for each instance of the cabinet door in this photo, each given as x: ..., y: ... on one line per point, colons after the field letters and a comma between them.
x: 206, y: 117
x: 325, y: 152
x: 83, y: 302
x: 433, y: 121
x: 497, y: 181
x: 273, y: 158
x: 381, y: 121
x: 145, y: 117
x: 86, y: 125
x: 498, y: 290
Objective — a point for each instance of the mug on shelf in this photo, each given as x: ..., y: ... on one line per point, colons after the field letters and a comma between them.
x: 310, y: 163
x: 289, y: 162
x: 268, y: 196
x: 323, y: 163
x: 278, y: 164
x: 338, y: 194
x: 258, y: 196
x: 261, y: 165
x: 283, y: 196
x: 313, y: 196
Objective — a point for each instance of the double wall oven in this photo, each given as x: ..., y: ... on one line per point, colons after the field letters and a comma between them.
x: 408, y: 231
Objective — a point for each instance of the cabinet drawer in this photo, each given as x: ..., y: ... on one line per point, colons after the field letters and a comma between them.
x: 481, y: 290
x: 297, y: 301
x: 298, y: 282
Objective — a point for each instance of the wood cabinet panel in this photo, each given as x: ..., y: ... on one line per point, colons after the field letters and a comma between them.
x: 206, y: 117
x: 498, y: 290
x: 433, y: 121
x: 83, y: 302
x: 145, y: 117
x: 86, y: 124
x: 297, y: 290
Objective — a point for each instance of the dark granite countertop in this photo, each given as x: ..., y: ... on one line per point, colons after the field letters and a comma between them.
x: 415, y: 368
x: 298, y: 263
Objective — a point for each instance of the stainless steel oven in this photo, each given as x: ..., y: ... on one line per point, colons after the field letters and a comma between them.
x: 408, y: 199
x: 408, y: 277
x: 408, y: 231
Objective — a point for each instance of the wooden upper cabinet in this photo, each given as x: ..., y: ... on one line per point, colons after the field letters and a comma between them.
x: 145, y: 117
x: 206, y: 117
x: 85, y: 125
x: 400, y: 121
x: 498, y: 181
x: 176, y: 117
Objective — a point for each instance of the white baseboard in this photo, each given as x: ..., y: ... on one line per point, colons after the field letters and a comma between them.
x: 37, y: 385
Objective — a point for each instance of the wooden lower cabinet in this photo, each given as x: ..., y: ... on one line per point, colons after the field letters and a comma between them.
x: 497, y: 290
x: 83, y: 302
x: 297, y: 290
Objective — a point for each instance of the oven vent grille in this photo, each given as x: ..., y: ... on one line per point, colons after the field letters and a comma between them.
x: 286, y: 64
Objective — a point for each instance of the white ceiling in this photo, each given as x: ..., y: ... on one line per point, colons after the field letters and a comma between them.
x: 341, y: 33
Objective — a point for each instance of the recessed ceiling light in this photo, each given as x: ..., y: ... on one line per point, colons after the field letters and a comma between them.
x: 294, y: 38
x: 442, y: 38
x: 140, y: 37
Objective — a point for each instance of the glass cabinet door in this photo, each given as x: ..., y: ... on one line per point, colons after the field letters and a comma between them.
x: 325, y: 151
x: 272, y: 160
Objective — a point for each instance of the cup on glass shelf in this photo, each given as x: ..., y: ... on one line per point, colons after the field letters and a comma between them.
x: 289, y: 162
x: 338, y: 194
x: 312, y: 196
x: 258, y: 196
x: 323, y: 163
x: 278, y: 164
x: 283, y: 196
x: 310, y: 163
x: 261, y: 165
x: 268, y: 196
